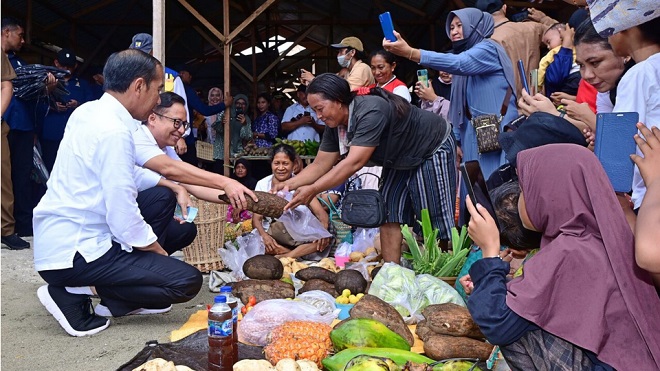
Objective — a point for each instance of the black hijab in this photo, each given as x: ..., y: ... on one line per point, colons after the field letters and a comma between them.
x: 248, y: 180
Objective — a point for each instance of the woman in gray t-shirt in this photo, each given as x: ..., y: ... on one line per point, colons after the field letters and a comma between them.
x: 415, y: 148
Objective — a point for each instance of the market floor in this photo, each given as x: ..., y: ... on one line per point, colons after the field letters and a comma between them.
x: 31, y: 339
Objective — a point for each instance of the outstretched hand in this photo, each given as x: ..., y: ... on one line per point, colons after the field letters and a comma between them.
x: 302, y: 196
x: 236, y: 193
x: 399, y: 47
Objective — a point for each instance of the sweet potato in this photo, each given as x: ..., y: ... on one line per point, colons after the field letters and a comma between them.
x: 451, y: 319
x: 318, y: 273
x: 318, y: 284
x: 443, y: 347
x: 263, y: 290
x: 263, y: 267
x: 373, y: 307
x: 269, y: 204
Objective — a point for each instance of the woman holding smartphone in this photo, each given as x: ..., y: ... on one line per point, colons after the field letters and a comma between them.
x: 482, y: 74
x: 547, y: 318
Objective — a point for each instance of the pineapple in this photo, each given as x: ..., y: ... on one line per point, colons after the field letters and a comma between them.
x: 299, y: 340
x: 230, y: 232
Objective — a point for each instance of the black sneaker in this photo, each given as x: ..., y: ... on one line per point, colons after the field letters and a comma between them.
x: 73, y: 312
x: 14, y: 242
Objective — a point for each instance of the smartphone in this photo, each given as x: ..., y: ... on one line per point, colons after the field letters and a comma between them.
x: 523, y: 75
x: 475, y: 182
x: 519, y: 17
x: 387, y: 25
x: 192, y: 213
x: 614, y: 145
x: 423, y: 77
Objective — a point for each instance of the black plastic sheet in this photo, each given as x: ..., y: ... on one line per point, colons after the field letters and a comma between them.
x: 191, y: 351
x: 30, y: 82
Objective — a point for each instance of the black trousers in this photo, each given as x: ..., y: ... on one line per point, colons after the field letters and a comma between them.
x: 128, y: 281
x: 157, y: 208
x: 49, y: 150
x: 20, y: 147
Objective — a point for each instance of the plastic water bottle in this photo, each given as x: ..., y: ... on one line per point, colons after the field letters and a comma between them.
x: 232, y: 301
x: 221, y: 352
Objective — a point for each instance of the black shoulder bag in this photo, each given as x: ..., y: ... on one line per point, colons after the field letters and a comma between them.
x: 365, y: 207
x: 488, y: 126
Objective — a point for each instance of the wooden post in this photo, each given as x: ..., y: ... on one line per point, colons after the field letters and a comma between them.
x: 227, y: 77
x: 158, y: 30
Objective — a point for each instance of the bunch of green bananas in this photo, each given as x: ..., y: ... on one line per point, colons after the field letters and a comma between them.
x: 306, y: 148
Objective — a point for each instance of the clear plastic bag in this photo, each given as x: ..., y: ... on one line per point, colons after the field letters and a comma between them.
x: 303, y: 225
x: 265, y: 316
x: 410, y: 294
x: 249, y: 245
x: 320, y: 299
x: 363, y: 238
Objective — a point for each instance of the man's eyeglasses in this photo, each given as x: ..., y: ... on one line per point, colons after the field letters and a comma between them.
x: 175, y: 122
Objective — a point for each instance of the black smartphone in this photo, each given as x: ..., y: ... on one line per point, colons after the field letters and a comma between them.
x: 519, y: 17
x: 475, y: 182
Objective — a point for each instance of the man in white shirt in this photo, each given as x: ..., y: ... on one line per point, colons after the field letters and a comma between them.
x: 89, y: 236
x: 300, y: 121
x: 153, y: 150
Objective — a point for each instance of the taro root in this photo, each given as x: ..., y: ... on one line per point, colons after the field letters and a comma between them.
x: 263, y: 267
x: 317, y: 284
x: 269, y: 204
x: 352, y: 280
x: 318, y: 273
x: 451, y: 319
x: 373, y: 307
x: 262, y: 290
x: 441, y: 347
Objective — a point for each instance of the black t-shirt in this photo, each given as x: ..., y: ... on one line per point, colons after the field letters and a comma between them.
x: 414, y: 137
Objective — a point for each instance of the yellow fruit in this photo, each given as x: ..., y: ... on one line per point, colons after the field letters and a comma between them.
x: 359, y: 296
x: 353, y: 299
x: 338, y: 299
x: 346, y: 293
x: 344, y: 300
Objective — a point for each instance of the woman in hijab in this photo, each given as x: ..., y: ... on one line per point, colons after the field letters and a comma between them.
x: 240, y: 129
x: 581, y: 301
x: 243, y: 173
x: 215, y: 97
x: 482, y: 74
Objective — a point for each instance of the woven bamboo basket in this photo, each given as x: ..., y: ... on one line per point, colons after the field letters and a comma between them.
x: 203, y: 252
x: 204, y: 150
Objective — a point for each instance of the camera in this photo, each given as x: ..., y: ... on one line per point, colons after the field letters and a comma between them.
x: 239, y: 111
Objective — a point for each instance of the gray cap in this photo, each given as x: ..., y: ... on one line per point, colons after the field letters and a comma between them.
x: 143, y: 42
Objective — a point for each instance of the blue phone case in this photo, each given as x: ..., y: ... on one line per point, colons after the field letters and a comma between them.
x: 523, y: 75
x: 387, y: 25
x: 614, y: 145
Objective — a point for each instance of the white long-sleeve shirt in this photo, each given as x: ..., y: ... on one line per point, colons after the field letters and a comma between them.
x: 91, y: 197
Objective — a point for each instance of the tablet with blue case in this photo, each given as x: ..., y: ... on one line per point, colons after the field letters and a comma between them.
x: 614, y: 144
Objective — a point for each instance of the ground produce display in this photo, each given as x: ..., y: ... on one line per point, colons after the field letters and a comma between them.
x: 380, y: 300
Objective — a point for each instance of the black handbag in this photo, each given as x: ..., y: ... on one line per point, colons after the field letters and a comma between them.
x: 363, y: 207
x: 487, y: 126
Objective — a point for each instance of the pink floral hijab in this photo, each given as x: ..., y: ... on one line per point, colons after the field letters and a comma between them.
x: 584, y: 285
